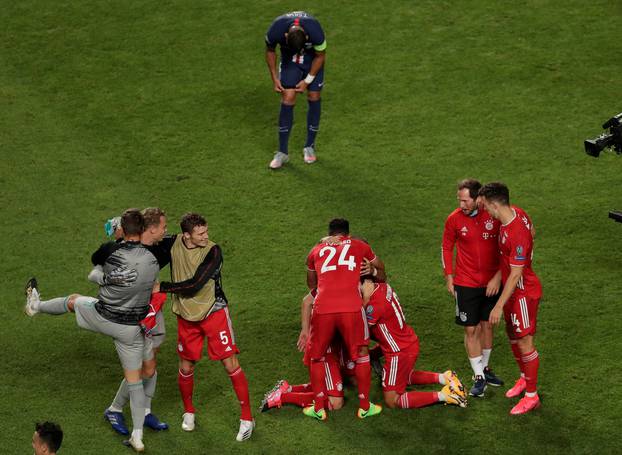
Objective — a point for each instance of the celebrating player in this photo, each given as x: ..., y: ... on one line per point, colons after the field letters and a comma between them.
x: 400, y: 347
x: 202, y: 312
x: 117, y: 312
x: 334, y: 270
x: 474, y: 281
x: 303, y: 51
x: 333, y: 364
x: 155, y: 230
x: 521, y: 294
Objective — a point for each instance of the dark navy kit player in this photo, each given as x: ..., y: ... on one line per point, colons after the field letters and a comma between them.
x: 303, y: 51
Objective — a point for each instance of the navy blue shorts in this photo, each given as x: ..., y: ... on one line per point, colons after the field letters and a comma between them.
x: 291, y: 73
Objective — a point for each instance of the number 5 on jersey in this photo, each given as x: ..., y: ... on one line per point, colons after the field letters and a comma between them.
x: 342, y: 261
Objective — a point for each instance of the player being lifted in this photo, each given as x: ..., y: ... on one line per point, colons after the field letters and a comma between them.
x: 519, y: 301
x: 400, y: 346
x: 117, y: 312
x: 334, y: 270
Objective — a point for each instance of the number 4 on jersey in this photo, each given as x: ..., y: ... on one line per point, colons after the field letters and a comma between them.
x: 342, y: 261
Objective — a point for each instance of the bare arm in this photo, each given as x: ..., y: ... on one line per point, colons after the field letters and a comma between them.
x: 508, y: 289
x: 305, y: 321
x: 311, y: 279
x: 316, y: 66
x: 272, y: 67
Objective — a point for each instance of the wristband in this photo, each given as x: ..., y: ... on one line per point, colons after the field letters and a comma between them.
x: 309, y: 79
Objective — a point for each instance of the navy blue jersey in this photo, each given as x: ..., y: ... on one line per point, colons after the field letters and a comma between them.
x: 276, y: 34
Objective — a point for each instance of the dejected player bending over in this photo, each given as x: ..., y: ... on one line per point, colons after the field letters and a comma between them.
x: 521, y: 294
x: 303, y: 50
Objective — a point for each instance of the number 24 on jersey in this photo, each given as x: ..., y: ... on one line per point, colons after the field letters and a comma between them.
x: 344, y: 260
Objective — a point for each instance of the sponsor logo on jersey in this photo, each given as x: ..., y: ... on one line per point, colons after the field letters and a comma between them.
x: 464, y: 230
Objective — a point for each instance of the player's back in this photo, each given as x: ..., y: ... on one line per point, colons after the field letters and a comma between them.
x: 128, y: 303
x: 387, y: 321
x: 338, y: 270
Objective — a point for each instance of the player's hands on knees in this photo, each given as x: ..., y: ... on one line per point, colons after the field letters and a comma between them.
x: 495, y: 315
x: 301, y: 86
x: 278, y: 87
x: 301, y: 344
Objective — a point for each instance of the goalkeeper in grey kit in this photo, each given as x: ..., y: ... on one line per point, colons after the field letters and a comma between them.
x: 117, y: 311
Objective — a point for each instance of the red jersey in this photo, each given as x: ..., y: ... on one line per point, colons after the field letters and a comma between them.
x: 477, y: 258
x: 516, y: 247
x: 386, y: 320
x: 338, y: 268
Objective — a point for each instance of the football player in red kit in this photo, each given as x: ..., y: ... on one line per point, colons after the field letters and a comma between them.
x: 522, y: 290
x: 400, y: 347
x: 473, y: 282
x: 334, y: 270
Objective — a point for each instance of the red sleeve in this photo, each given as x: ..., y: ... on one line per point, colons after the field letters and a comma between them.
x: 373, y: 310
x: 311, y: 260
x: 447, y: 247
x: 157, y: 300
x: 368, y: 253
x: 520, y: 247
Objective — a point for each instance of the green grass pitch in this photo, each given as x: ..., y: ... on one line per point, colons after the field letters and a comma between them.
x: 110, y: 104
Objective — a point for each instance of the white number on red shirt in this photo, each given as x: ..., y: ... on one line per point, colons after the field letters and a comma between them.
x: 343, y: 260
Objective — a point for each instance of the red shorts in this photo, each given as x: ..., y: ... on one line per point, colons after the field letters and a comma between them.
x: 397, y: 368
x: 218, y: 331
x: 521, y: 313
x: 332, y: 369
x: 352, y: 327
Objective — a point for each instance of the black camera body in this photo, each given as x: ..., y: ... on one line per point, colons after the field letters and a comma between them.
x: 612, y: 139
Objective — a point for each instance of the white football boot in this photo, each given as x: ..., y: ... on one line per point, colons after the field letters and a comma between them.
x: 279, y: 160
x: 246, y: 430
x: 188, y: 421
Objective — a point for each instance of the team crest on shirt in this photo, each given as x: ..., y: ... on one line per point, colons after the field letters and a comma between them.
x: 489, y: 224
x: 369, y: 311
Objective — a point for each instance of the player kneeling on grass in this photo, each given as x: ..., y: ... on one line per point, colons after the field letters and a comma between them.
x: 302, y: 394
x: 400, y: 346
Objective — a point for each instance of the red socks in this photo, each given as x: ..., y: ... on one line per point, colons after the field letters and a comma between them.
x: 423, y: 377
x: 186, y: 385
x: 301, y: 388
x: 317, y: 383
x: 362, y: 371
x: 417, y: 399
x: 302, y: 399
x: 531, y: 362
x: 240, y: 386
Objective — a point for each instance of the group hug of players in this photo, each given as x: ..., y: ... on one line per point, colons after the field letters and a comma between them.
x: 349, y: 301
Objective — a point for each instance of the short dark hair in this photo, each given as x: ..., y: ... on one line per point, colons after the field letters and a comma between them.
x: 50, y: 434
x: 338, y: 226
x: 296, y: 38
x: 152, y: 216
x: 132, y: 222
x: 496, y: 192
x: 191, y: 220
x: 472, y: 185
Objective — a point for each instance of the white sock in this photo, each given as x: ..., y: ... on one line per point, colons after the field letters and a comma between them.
x: 476, y: 364
x: 147, y: 411
x: 113, y: 408
x: 531, y: 394
x: 441, y: 396
x: 486, y: 357
x: 441, y: 379
x: 137, y: 434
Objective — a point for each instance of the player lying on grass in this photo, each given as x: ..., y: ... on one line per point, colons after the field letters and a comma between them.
x: 400, y: 346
